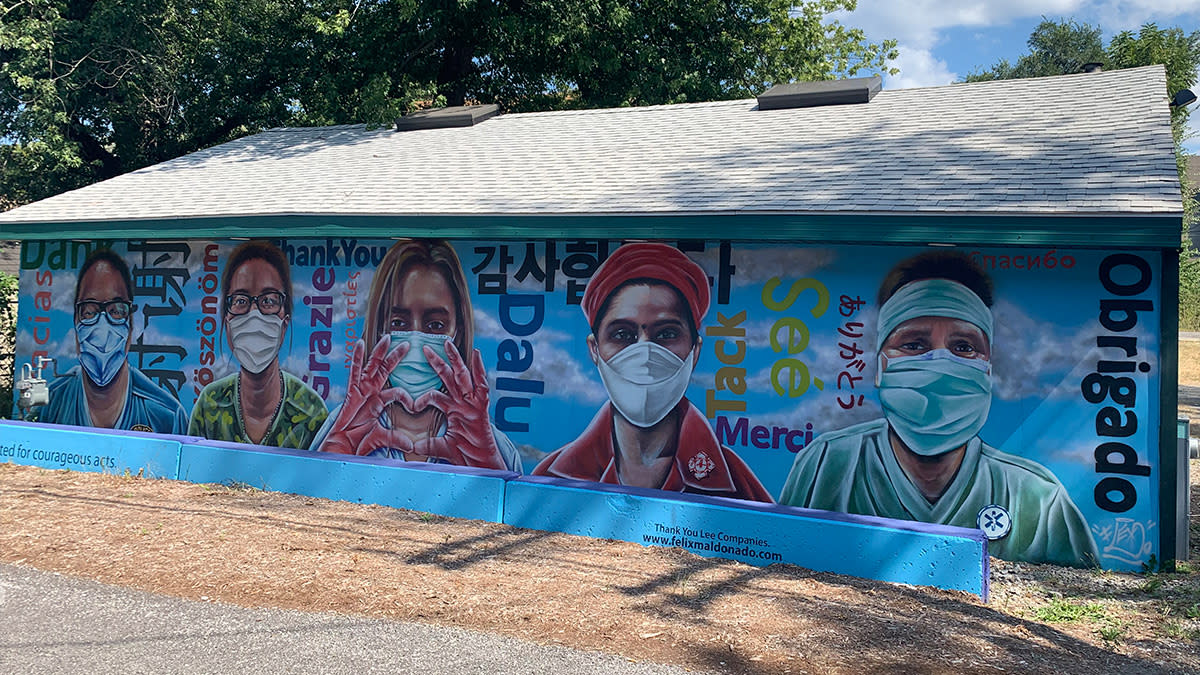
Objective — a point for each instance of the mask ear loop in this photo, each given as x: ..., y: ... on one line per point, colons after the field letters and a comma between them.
x: 440, y: 418
x: 288, y: 327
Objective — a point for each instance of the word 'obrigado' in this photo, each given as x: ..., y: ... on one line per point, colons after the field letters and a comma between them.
x: 1124, y: 275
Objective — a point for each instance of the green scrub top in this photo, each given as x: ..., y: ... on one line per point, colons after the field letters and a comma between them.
x: 854, y: 470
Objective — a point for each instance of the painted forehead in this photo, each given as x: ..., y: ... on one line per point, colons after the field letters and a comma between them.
x: 663, y: 296
x: 249, y: 271
x: 103, y: 275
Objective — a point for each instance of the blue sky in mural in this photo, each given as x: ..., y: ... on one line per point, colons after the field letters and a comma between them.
x: 941, y: 42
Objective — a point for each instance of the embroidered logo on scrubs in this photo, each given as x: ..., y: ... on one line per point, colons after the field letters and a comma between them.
x: 994, y: 521
x: 701, y: 465
x: 140, y: 427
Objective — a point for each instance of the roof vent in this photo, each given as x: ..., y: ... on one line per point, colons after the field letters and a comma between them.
x: 443, y: 118
x: 1092, y: 67
x: 826, y: 92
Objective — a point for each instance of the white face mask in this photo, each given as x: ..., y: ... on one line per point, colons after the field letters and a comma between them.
x: 645, y: 381
x: 255, y: 337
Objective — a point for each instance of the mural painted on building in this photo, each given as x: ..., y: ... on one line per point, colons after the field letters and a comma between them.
x: 1009, y: 389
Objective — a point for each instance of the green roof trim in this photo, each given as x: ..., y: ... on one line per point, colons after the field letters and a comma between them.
x: 1107, y: 231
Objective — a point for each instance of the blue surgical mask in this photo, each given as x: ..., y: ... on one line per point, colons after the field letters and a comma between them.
x: 935, y: 401
x: 414, y: 374
x: 101, y: 349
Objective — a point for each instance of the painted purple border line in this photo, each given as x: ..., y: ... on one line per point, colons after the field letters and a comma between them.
x: 179, y: 438
x: 378, y: 461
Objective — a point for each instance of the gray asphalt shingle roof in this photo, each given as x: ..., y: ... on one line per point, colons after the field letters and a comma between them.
x: 1079, y: 144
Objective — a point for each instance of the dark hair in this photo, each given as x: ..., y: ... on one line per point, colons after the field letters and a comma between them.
x: 109, y: 256
x: 258, y: 250
x: 679, y: 298
x: 402, y: 256
x: 951, y: 265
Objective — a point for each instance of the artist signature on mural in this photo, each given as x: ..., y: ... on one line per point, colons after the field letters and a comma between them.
x: 1125, y: 540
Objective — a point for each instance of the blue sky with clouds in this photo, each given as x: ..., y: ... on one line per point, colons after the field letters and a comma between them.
x: 941, y: 41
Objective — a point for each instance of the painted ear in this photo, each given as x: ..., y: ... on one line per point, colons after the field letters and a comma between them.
x: 593, y: 349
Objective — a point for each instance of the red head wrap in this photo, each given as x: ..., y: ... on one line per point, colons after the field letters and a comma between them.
x: 657, y: 262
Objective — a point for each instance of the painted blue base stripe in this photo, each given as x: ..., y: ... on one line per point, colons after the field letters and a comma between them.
x: 440, y: 489
x: 84, y: 449
x: 874, y: 548
x: 759, y: 534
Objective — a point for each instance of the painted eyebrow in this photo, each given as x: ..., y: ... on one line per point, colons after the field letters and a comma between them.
x: 246, y: 291
x: 911, y: 332
x: 964, y: 335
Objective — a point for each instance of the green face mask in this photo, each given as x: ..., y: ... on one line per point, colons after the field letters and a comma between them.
x: 414, y: 374
x: 935, y: 401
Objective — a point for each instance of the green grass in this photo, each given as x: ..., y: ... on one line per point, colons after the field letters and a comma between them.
x: 1151, y: 584
x: 1112, y: 633
x: 1060, y: 610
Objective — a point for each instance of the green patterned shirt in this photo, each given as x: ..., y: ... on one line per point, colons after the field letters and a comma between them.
x: 216, y: 415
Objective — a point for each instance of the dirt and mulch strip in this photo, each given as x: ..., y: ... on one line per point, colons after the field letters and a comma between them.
x: 255, y: 549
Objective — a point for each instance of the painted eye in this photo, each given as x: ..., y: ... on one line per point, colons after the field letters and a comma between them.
x: 622, y: 335
x: 436, y: 327
x: 964, y: 347
x: 118, y: 311
x: 270, y: 302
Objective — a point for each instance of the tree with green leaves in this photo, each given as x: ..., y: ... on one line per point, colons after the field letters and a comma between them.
x: 90, y: 89
x: 1055, y: 48
x: 1063, y: 47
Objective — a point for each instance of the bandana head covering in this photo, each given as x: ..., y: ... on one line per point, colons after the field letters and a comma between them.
x: 932, y: 297
x: 657, y: 262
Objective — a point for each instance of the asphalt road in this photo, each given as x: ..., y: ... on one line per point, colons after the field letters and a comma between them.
x: 50, y: 623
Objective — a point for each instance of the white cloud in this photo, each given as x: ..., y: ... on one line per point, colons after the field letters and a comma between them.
x: 61, y: 350
x: 564, y: 376
x: 63, y: 293
x: 1118, y: 15
x: 1024, y: 345
x: 917, y: 24
x: 753, y: 264
x: 919, y: 68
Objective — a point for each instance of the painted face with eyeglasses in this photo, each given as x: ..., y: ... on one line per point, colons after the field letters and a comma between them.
x: 102, y: 323
x: 256, y: 314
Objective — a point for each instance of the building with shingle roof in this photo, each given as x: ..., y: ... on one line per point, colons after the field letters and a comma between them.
x: 1063, y: 159
x: 807, y: 219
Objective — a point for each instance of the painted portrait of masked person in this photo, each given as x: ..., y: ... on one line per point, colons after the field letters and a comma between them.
x: 418, y: 390
x: 646, y: 305
x: 924, y: 459
x: 104, y: 390
x: 261, y: 403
